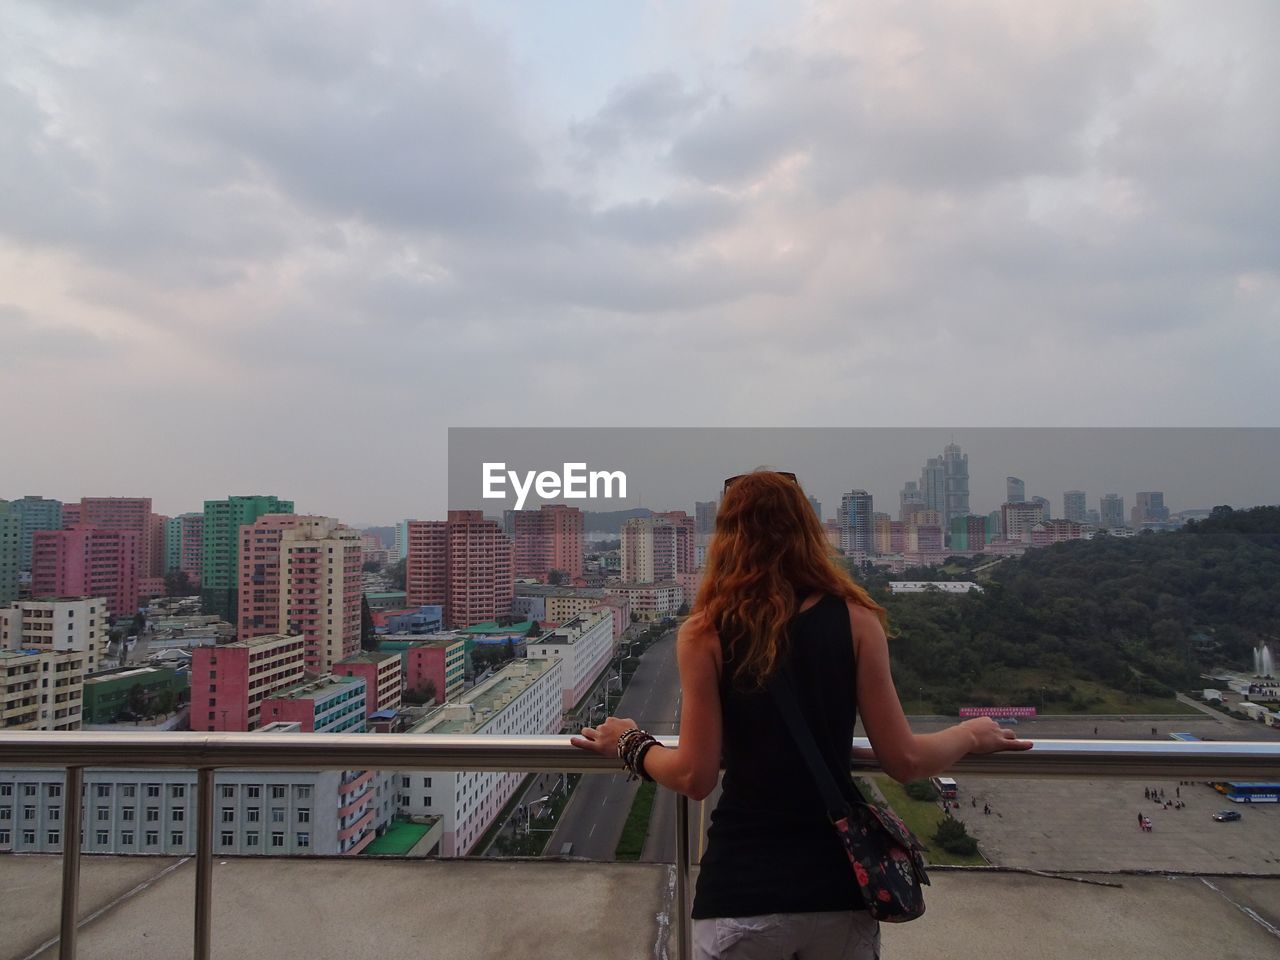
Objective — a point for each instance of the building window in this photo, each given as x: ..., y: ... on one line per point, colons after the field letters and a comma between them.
x: 251, y: 838
x: 104, y: 813
x: 103, y: 838
x: 177, y: 791
x: 55, y: 813
x: 426, y: 783
x: 228, y: 814
x: 227, y: 838
x: 28, y: 789
x: 153, y: 814
x: 177, y: 815
x: 104, y: 790
x: 253, y: 814
x: 277, y: 839
x: 28, y: 813
x: 28, y: 836
x: 277, y: 792
x: 253, y: 793
x: 5, y: 837
x: 304, y: 814
x: 277, y: 814
x: 228, y: 792
x: 6, y: 789
x: 153, y: 837
x: 175, y: 838
x: 54, y: 790
x: 126, y: 838
x: 54, y: 837
x: 303, y: 839
x: 153, y: 789
x: 302, y: 792
x: 127, y: 791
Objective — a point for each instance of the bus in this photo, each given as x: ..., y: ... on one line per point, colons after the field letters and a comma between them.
x: 1184, y: 737
x: 946, y: 787
x: 1248, y: 791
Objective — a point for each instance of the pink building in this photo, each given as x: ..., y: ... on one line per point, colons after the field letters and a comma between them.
x: 150, y: 587
x: 301, y: 574
x: 129, y: 513
x: 382, y: 675
x: 463, y: 564
x: 87, y: 562
x: 191, y: 558
x: 70, y: 515
x: 548, y: 539
x: 1049, y: 532
x: 259, y: 588
x: 229, y: 682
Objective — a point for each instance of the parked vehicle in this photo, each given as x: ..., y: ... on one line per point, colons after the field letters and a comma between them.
x: 1222, y: 816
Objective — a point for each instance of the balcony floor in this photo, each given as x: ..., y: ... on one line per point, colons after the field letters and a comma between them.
x: 343, y: 908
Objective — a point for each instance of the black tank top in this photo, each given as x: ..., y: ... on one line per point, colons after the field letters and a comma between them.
x: 770, y: 847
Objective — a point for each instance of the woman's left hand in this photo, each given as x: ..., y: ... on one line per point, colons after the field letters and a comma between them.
x: 604, y: 738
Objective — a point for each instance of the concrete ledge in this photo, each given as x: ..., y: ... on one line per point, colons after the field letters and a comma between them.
x: 344, y: 908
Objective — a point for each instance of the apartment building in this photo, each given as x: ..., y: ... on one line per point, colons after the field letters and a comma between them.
x: 61, y: 625
x: 230, y: 681
x: 383, y: 677
x: 523, y: 697
x: 463, y: 563
x: 584, y: 646
x: 88, y: 561
x: 41, y: 689
x: 327, y: 705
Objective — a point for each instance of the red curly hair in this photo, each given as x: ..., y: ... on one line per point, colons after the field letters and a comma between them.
x: 768, y: 554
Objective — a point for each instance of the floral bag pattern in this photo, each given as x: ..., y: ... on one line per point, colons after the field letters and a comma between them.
x: 887, y: 862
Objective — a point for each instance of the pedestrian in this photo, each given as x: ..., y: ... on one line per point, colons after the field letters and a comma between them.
x: 1178, y: 791
x: 1140, y: 821
x: 776, y: 614
x: 1146, y: 793
x: 1095, y: 731
x: 974, y: 801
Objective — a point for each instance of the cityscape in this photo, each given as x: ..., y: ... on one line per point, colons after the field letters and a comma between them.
x: 374, y: 376
x: 248, y: 616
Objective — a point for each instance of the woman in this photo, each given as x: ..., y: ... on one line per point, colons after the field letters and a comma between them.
x: 774, y: 881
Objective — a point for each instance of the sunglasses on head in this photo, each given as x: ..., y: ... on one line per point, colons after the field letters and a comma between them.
x: 782, y: 473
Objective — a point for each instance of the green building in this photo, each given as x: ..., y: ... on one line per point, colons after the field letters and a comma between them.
x: 172, y: 543
x: 35, y: 513
x: 109, y: 693
x: 219, y: 578
x: 10, y: 552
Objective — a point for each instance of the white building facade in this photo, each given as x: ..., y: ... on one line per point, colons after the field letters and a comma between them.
x: 584, y: 646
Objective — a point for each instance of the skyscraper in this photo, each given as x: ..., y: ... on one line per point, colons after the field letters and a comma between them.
x: 463, y: 564
x: 854, y: 517
x: 955, y: 470
x: 910, y: 500
x: 817, y: 507
x: 35, y: 513
x: 547, y: 539
x: 219, y: 575
x: 1044, y: 507
x: 1150, y: 508
x: 1111, y: 511
x: 129, y: 513
x: 1015, y: 490
x: 10, y: 552
x: 704, y: 515
x: 1073, y: 506
x: 87, y: 561
x: 933, y: 484
x: 657, y: 548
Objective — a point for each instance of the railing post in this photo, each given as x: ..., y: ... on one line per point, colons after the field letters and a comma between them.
x: 684, y: 925
x: 204, y: 861
x: 72, y: 818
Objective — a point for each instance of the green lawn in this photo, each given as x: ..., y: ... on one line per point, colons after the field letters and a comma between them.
x: 922, y: 819
x: 636, y: 829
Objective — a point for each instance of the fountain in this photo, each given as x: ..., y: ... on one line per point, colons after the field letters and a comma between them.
x: 1263, y: 666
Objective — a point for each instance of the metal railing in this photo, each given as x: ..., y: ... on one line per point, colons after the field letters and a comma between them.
x: 208, y: 752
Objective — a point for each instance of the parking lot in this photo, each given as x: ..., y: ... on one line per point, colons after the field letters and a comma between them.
x: 1092, y: 825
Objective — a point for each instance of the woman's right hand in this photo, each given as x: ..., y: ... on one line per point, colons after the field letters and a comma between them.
x: 989, y: 737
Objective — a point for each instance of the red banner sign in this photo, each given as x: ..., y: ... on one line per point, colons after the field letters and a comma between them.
x: 997, y: 712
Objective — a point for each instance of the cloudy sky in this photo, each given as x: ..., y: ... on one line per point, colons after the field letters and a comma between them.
x: 282, y: 247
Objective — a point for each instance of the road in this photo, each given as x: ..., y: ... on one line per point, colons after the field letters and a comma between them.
x: 596, y: 812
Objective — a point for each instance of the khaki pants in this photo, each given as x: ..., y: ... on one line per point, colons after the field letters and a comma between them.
x: 838, y: 935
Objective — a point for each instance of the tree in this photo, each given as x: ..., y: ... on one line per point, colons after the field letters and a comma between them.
x: 370, y: 566
x: 165, y: 702
x: 555, y: 577
x: 395, y: 572
x: 953, y: 837
x: 178, y: 584
x: 533, y: 631
x: 137, y: 701
x: 683, y: 610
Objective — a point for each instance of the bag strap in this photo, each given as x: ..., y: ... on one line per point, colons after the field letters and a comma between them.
x: 784, y: 696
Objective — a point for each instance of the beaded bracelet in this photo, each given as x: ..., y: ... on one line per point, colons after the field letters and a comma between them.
x: 633, y: 744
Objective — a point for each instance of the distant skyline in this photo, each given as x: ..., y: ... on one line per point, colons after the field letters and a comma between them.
x: 281, y: 247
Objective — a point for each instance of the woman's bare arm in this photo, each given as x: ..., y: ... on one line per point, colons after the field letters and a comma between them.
x: 902, y: 754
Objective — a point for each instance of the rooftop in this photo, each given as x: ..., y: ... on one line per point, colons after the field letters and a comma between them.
x: 401, y: 837
x: 547, y: 590
x: 263, y: 640
x: 402, y: 641
x: 140, y: 907
x: 470, y: 712
x: 315, y: 689
x: 492, y: 627
x: 371, y: 656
